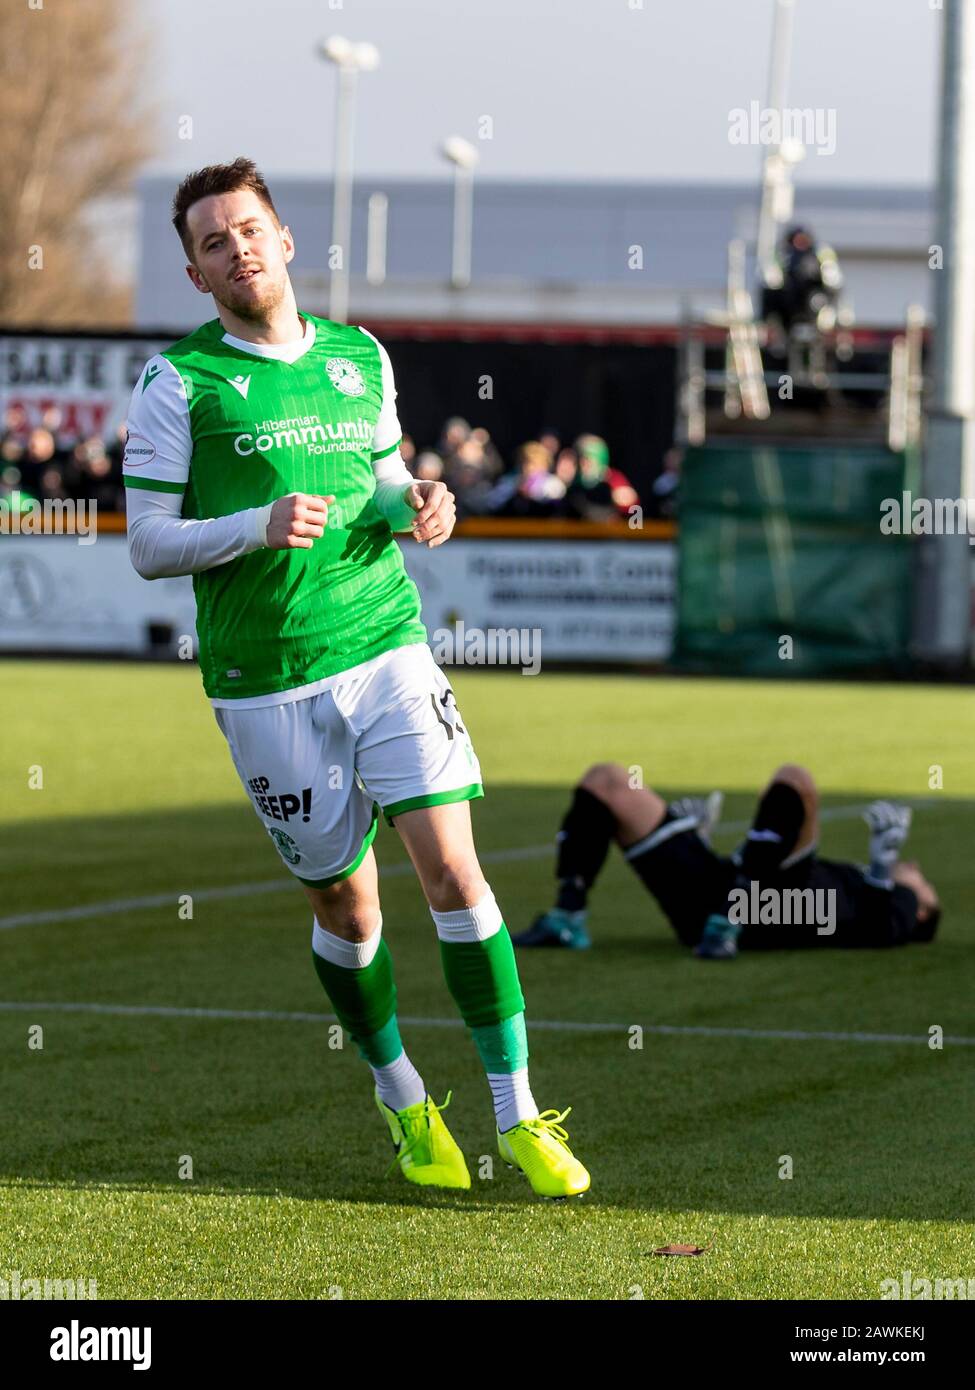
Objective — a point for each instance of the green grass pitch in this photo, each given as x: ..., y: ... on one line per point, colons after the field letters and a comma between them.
x: 684, y: 1137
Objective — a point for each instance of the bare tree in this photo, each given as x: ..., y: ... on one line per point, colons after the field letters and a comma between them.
x: 73, y: 132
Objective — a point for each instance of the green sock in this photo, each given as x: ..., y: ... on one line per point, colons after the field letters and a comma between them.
x: 365, y: 1004
x: 483, y: 978
x: 502, y: 1047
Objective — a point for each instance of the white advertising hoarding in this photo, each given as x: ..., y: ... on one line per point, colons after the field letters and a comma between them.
x: 59, y: 594
x: 590, y: 600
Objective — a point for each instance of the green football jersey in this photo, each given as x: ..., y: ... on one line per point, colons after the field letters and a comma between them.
x: 259, y: 428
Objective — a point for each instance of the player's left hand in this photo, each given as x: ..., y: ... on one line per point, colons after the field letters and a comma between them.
x: 889, y: 823
x: 435, y: 512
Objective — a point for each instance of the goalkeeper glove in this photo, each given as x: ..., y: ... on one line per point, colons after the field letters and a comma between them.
x: 888, y: 824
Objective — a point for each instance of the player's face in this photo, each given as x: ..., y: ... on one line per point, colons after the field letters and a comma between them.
x: 241, y: 253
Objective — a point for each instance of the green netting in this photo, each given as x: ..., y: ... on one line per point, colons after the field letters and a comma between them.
x: 782, y: 542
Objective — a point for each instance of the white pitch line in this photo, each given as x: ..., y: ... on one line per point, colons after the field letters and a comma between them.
x: 549, y: 1025
x: 230, y: 890
x: 281, y: 885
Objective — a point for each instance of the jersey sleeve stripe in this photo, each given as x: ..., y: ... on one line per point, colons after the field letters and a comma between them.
x: 153, y: 484
x: 383, y: 453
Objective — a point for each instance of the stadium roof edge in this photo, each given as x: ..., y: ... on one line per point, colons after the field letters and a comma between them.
x: 921, y: 195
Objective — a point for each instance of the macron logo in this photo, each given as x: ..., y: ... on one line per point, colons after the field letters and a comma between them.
x: 241, y: 384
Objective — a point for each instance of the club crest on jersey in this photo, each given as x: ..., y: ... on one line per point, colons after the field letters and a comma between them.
x: 345, y: 376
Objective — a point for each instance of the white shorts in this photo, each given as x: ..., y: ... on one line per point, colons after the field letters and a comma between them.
x: 386, y: 735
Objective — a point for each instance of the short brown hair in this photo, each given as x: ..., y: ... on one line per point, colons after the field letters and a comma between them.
x: 217, y: 178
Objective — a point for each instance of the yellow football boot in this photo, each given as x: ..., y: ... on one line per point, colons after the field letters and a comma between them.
x: 425, y: 1148
x: 538, y: 1148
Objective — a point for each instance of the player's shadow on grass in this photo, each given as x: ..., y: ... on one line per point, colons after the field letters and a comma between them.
x: 482, y: 1198
x: 688, y: 1121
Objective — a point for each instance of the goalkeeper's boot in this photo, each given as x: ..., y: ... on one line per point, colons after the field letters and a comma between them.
x: 719, y: 940
x: 557, y: 927
x: 425, y: 1148
x: 539, y: 1149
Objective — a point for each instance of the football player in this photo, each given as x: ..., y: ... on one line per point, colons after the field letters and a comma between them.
x: 263, y: 459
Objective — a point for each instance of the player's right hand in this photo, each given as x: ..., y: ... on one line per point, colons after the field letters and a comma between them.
x: 297, y: 521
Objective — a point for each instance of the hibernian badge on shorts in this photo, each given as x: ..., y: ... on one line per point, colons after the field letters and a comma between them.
x: 286, y: 846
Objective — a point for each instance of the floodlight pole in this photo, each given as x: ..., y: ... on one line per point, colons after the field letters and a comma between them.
x: 775, y: 170
x: 338, y: 301
x: 349, y: 59
x: 376, y: 238
x: 464, y: 157
x: 942, y: 619
x: 460, y: 274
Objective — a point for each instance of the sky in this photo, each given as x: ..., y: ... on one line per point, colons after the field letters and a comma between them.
x: 575, y: 89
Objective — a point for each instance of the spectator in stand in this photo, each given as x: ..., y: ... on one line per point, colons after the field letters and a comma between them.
x: 69, y: 465
x: 532, y: 490
x: 52, y: 485
x: 666, y: 484
x: 428, y: 467
x: 465, y: 475
x: 548, y: 480
x: 32, y: 462
x: 16, y: 423
x: 11, y: 452
x: 13, y: 444
x: 456, y: 431
x: 566, y: 467
x: 38, y: 457
x: 549, y: 439
x: 52, y: 420
x: 12, y: 489
x: 116, y: 452
x: 803, y: 285
x: 599, y: 493
x: 92, y: 475
x: 96, y: 481
x: 407, y: 448
x: 492, y: 465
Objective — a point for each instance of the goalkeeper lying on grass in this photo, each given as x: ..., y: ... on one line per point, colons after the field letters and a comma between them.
x: 774, y: 892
